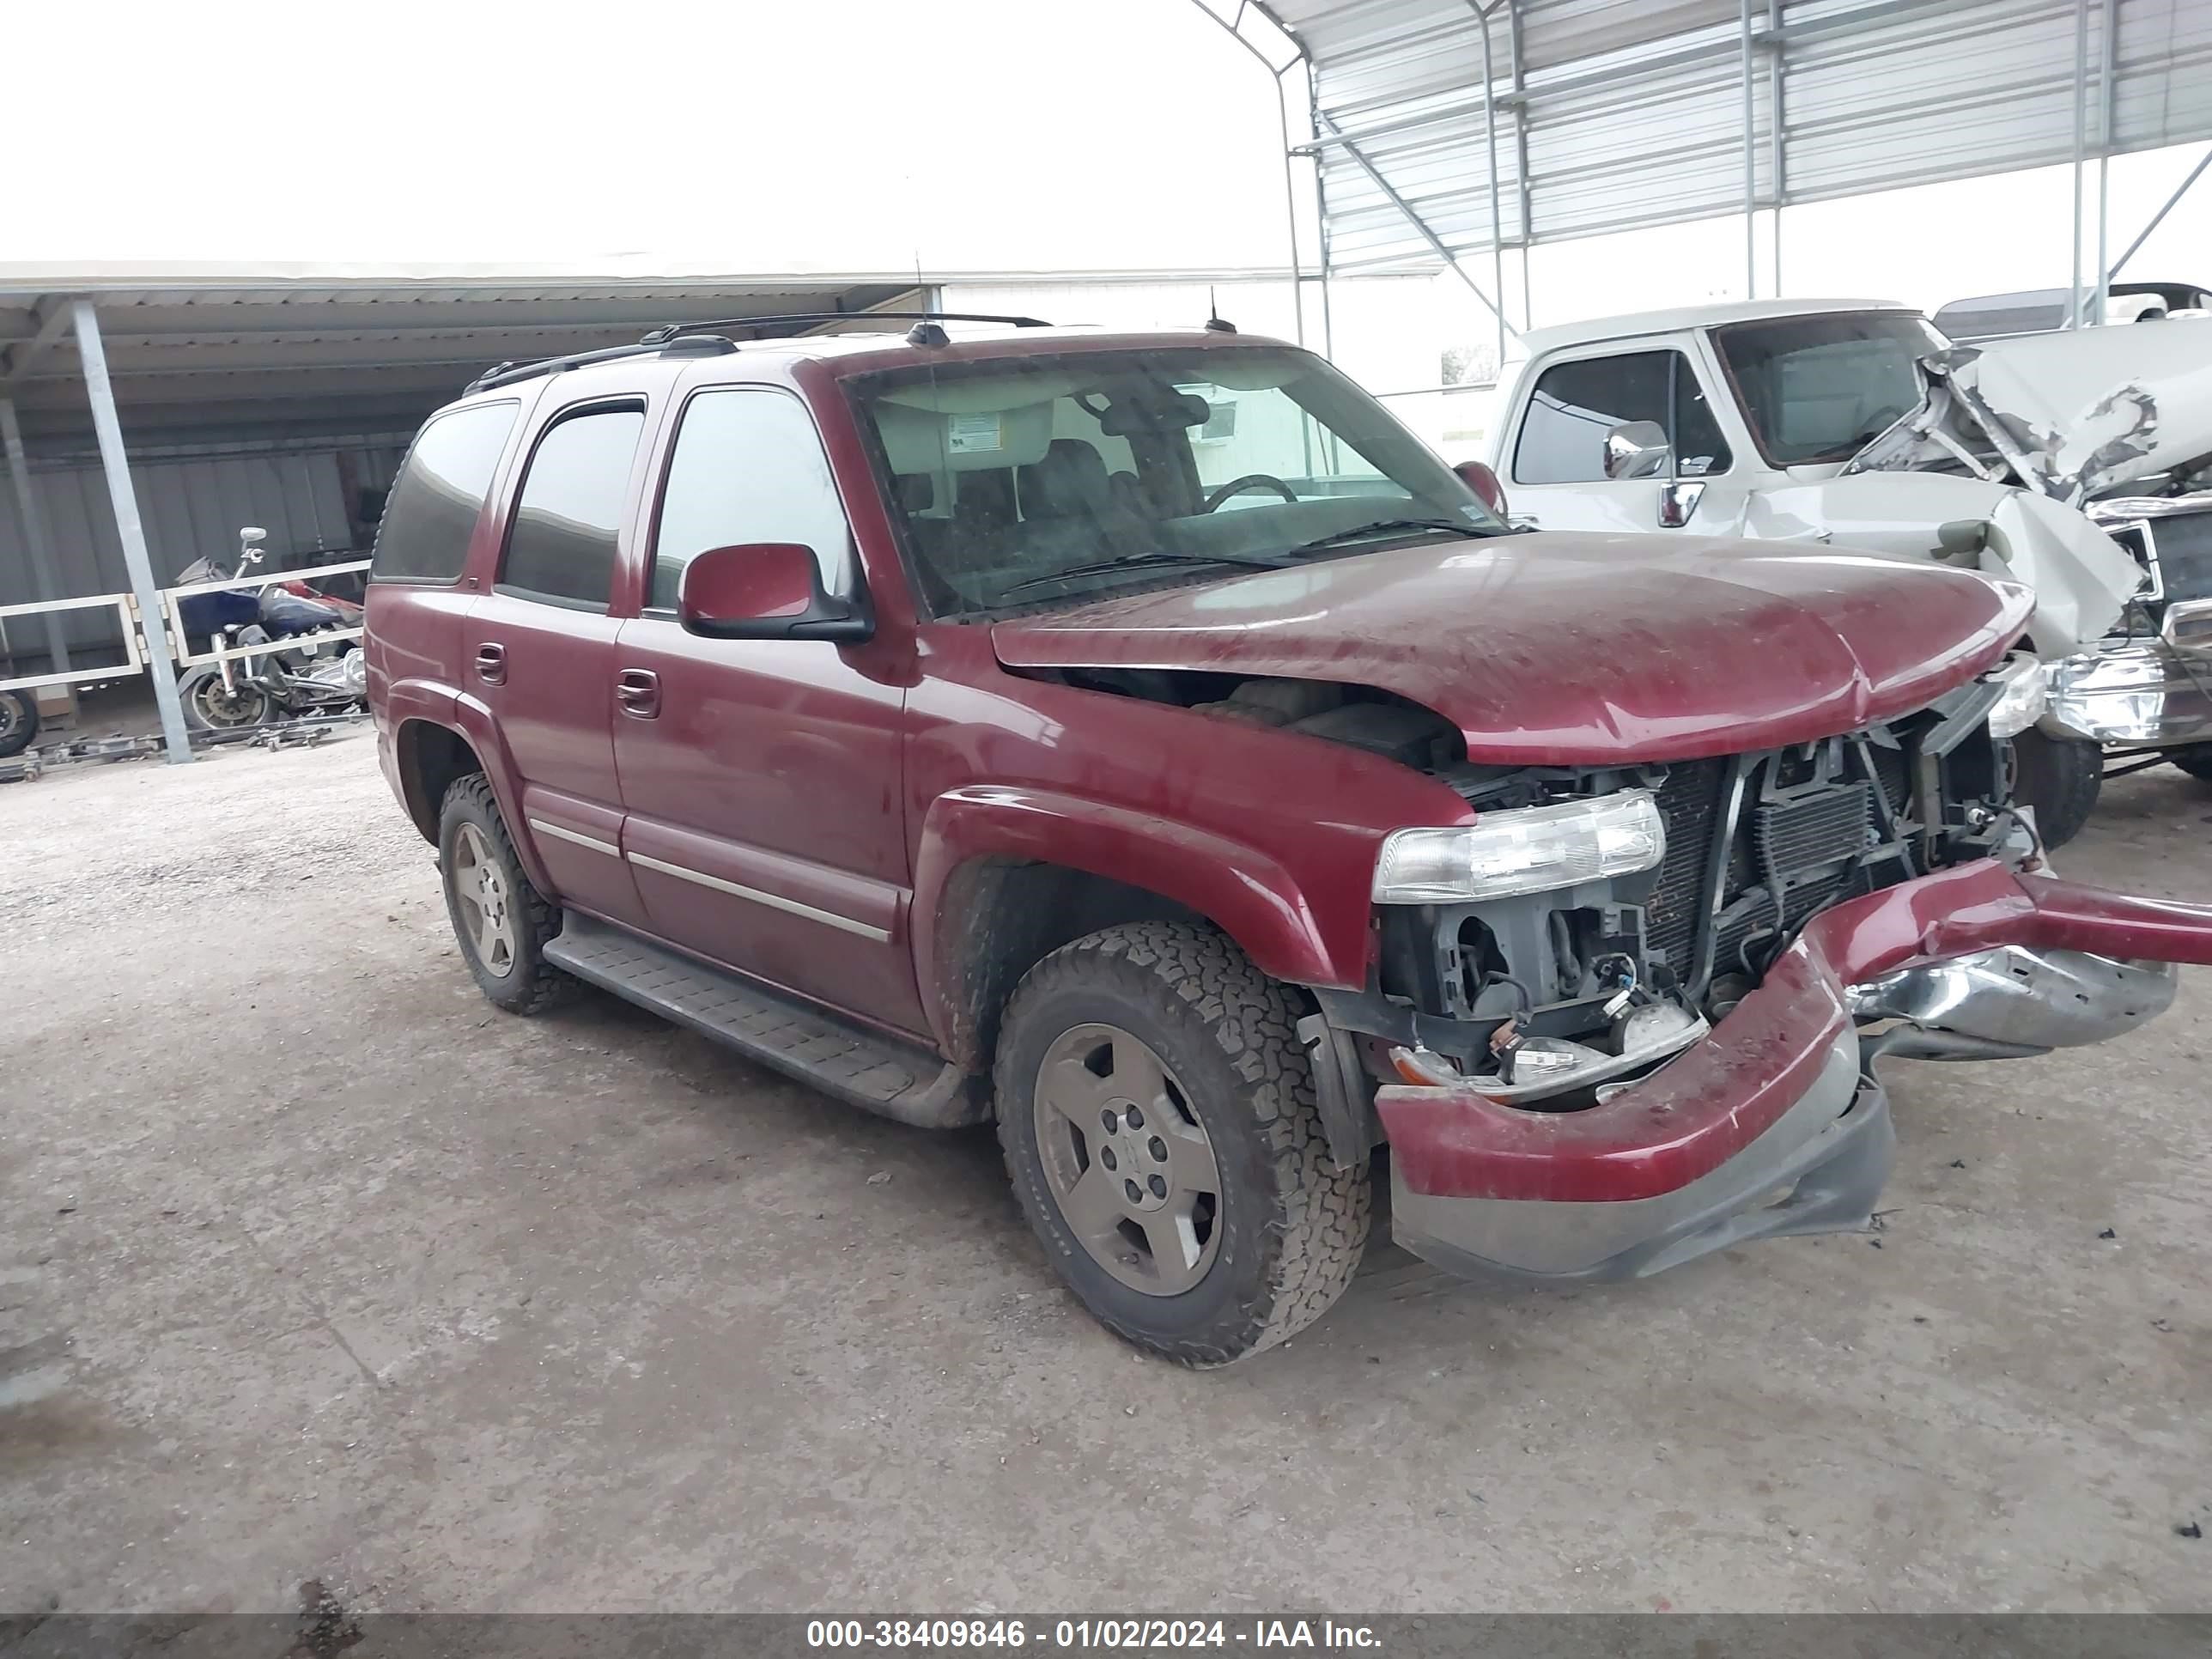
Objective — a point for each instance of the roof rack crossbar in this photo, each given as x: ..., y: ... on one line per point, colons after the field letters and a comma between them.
x: 674, y: 329
x: 508, y: 373
x: 693, y: 337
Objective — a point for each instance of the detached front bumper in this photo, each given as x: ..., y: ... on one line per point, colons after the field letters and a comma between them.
x: 2144, y: 692
x: 1770, y: 1124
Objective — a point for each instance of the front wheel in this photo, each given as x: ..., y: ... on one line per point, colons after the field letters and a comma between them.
x: 214, y: 706
x: 2061, y: 778
x: 19, y: 721
x: 1156, y: 1113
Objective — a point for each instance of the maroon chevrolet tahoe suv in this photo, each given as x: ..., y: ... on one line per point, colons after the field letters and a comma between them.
x: 1144, y: 742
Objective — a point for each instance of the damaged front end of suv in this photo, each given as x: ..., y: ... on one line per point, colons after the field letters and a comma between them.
x: 1631, y: 1014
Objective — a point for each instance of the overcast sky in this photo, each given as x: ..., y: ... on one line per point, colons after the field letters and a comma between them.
x: 763, y: 136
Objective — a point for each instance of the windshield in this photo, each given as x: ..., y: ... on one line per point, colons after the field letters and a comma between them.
x: 1033, y: 480
x: 1822, y: 388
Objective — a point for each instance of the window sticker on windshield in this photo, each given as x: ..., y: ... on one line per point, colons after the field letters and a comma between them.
x: 973, y: 434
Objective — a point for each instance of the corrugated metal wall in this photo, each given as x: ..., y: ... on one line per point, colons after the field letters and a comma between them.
x: 192, y: 505
x: 1631, y: 114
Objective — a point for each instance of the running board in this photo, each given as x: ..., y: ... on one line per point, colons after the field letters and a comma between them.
x: 877, y: 1073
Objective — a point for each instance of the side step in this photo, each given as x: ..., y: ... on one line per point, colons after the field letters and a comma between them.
x: 877, y: 1073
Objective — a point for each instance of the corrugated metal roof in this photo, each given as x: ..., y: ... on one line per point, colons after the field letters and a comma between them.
x: 257, y: 348
x: 1631, y: 115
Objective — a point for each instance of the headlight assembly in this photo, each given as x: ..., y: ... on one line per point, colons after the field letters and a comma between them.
x: 2027, y: 691
x: 1529, y: 849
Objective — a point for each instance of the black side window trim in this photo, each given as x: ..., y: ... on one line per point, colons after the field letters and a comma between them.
x: 460, y: 576
x: 613, y: 405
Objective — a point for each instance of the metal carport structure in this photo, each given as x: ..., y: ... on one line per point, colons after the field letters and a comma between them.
x: 273, y: 355
x: 1444, y: 132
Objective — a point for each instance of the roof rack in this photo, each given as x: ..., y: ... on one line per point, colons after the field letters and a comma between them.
x: 506, y: 373
x: 674, y: 331
x: 692, y: 339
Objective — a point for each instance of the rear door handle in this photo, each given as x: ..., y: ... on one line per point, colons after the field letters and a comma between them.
x: 638, y: 691
x: 491, y: 663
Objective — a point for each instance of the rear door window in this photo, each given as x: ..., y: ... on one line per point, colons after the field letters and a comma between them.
x: 432, y: 512
x: 569, y: 517
x: 1576, y: 404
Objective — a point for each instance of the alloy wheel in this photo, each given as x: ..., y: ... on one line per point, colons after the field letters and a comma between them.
x: 483, y: 900
x: 1128, y: 1164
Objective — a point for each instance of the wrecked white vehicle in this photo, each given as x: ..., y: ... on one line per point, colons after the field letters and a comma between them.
x: 2043, y: 310
x: 2079, y: 463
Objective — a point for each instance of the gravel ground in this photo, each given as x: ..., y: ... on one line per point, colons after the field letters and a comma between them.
x: 314, y: 1268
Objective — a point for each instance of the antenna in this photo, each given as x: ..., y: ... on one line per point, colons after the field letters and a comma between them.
x: 1215, y: 322
x: 925, y: 333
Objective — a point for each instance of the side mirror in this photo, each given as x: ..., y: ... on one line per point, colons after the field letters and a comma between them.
x: 1637, y: 449
x: 252, y: 536
x: 1484, y: 483
x: 765, y: 591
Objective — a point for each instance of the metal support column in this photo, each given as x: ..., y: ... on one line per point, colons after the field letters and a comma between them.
x: 1777, y: 182
x: 1750, y: 169
x: 2081, y: 146
x: 1522, y: 217
x: 2107, y: 94
x: 43, y: 585
x: 1234, y: 28
x: 115, y: 466
x: 1490, y: 144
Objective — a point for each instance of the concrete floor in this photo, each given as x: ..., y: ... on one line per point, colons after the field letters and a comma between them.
x: 314, y: 1267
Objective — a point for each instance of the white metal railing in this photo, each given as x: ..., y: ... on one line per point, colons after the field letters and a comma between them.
x: 127, y: 612
x: 125, y: 607
x: 223, y: 584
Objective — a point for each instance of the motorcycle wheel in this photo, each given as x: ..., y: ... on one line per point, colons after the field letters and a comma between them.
x: 213, y: 706
x: 19, y: 721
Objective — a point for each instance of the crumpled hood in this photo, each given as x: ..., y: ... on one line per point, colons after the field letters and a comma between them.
x: 2095, y: 408
x: 1563, y: 649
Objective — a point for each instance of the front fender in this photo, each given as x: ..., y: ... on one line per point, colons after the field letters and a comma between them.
x: 2080, y: 576
x: 1247, y: 895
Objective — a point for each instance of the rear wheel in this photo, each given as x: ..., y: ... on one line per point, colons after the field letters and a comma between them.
x: 19, y: 722
x: 2195, y: 760
x: 1157, y: 1112
x: 214, y: 706
x: 500, y: 922
x: 2061, y: 778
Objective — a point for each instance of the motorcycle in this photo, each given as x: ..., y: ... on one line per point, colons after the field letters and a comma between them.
x: 304, y: 675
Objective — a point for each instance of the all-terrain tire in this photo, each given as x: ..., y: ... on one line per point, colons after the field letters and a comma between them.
x: 19, y: 722
x: 530, y: 985
x: 1292, y: 1223
x: 2195, y: 760
x: 2061, y: 778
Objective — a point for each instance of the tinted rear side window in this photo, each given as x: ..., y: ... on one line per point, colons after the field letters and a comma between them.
x: 439, y: 494
x: 569, y: 514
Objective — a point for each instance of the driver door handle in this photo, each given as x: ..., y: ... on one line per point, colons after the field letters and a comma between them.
x: 637, y: 692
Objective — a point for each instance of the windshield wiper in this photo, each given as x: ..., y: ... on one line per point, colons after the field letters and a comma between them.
x: 1143, y: 561
x: 1390, y: 526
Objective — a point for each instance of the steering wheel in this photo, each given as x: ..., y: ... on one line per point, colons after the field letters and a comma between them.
x: 1250, y: 480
